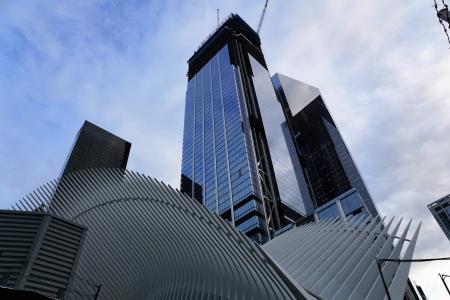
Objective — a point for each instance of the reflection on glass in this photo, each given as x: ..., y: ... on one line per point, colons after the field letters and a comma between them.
x: 326, y: 164
x: 218, y: 167
x: 273, y: 120
x: 331, y: 212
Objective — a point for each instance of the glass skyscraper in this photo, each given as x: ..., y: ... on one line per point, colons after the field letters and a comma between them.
x: 329, y: 180
x: 232, y: 133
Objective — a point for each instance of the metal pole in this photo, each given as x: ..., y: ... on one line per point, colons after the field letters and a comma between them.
x: 442, y: 276
x: 98, y: 291
x: 380, y: 260
x: 382, y: 278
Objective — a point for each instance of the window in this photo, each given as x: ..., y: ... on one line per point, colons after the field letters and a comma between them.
x: 351, y: 203
x: 331, y: 212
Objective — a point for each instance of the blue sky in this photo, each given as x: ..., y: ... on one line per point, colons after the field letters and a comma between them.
x: 383, y: 68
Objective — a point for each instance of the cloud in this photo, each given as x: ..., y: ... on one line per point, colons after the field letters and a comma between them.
x: 383, y: 71
x: 382, y: 68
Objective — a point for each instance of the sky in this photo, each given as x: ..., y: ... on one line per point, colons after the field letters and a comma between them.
x: 383, y: 68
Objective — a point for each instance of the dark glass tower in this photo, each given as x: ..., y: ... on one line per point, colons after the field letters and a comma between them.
x: 229, y: 142
x: 328, y: 178
x: 95, y: 147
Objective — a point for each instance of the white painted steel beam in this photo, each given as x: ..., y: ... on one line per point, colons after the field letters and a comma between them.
x: 146, y: 240
x: 337, y: 260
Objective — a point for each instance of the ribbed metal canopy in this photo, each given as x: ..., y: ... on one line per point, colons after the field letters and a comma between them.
x: 336, y: 259
x: 146, y: 240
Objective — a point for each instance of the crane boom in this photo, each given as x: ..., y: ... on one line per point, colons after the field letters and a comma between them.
x: 262, y: 16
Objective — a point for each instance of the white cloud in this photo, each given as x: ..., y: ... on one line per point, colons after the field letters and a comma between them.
x: 382, y: 67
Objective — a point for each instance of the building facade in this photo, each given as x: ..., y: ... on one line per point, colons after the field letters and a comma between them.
x: 440, y: 209
x: 328, y: 178
x: 39, y: 252
x: 232, y: 133
x: 95, y: 147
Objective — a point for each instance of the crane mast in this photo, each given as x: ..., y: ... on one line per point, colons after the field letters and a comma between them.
x: 262, y: 16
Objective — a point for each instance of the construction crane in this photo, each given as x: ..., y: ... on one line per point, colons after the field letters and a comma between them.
x: 262, y: 16
x: 444, y: 15
x: 217, y: 17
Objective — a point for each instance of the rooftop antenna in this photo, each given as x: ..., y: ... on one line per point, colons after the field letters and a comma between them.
x: 262, y: 16
x: 217, y: 17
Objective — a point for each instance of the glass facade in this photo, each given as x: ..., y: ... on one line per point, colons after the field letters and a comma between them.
x: 349, y: 166
x: 326, y: 165
x: 273, y: 121
x: 248, y: 207
x: 330, y: 212
x: 218, y: 164
x: 352, y: 205
x: 346, y: 205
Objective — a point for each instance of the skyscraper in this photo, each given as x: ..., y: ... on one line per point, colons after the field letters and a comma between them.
x: 328, y: 177
x: 229, y: 140
x: 95, y: 147
x: 440, y: 209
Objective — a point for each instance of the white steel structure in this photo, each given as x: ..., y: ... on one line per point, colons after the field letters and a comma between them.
x: 336, y: 259
x: 146, y: 240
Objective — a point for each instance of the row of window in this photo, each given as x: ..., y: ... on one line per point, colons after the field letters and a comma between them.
x: 218, y: 147
x: 251, y: 223
x: 350, y: 204
x: 246, y: 208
